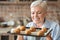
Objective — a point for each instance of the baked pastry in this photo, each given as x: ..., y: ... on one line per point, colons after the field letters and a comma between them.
x: 15, y: 30
x: 44, y: 29
x: 22, y: 28
x: 27, y: 31
x: 12, y: 30
x: 40, y: 33
x: 18, y: 26
x: 32, y: 29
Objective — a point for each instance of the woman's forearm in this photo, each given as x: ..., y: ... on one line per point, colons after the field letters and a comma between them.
x: 48, y: 38
x: 19, y: 37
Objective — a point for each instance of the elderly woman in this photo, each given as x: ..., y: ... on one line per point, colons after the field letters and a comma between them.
x: 38, y: 15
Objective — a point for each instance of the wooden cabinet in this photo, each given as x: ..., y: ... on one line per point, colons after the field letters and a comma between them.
x: 8, y: 37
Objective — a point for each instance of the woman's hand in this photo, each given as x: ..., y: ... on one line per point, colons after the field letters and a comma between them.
x: 48, y: 37
x: 19, y: 37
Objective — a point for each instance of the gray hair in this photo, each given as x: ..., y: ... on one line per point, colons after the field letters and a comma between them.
x: 40, y: 3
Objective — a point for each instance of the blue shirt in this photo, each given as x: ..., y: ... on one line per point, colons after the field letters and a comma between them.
x: 55, y: 33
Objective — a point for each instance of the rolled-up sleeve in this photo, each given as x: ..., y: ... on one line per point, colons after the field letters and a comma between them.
x: 56, y: 32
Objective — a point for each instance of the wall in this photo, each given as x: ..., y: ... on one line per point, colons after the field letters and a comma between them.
x: 18, y: 10
x: 53, y: 12
x: 13, y: 11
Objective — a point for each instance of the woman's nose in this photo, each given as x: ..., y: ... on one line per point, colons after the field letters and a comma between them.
x: 36, y: 15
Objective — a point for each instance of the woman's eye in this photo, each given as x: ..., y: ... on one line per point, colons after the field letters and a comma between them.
x: 32, y: 13
x: 39, y: 12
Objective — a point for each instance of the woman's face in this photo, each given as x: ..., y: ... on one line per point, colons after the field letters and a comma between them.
x: 37, y: 14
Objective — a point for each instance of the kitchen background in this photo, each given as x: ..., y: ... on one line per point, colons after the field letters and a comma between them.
x: 17, y: 12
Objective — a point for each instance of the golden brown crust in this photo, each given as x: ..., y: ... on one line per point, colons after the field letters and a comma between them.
x: 32, y: 29
x: 16, y: 30
x: 27, y: 31
x: 40, y: 33
x: 44, y: 29
x: 22, y: 28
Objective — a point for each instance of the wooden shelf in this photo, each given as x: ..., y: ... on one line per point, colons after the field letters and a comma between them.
x: 51, y: 2
x: 12, y: 3
x: 54, y: 3
x: 24, y: 2
x: 6, y: 2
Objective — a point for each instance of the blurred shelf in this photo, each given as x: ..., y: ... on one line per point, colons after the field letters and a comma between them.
x: 13, y: 3
x: 6, y: 2
x: 52, y: 2
x: 24, y: 2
